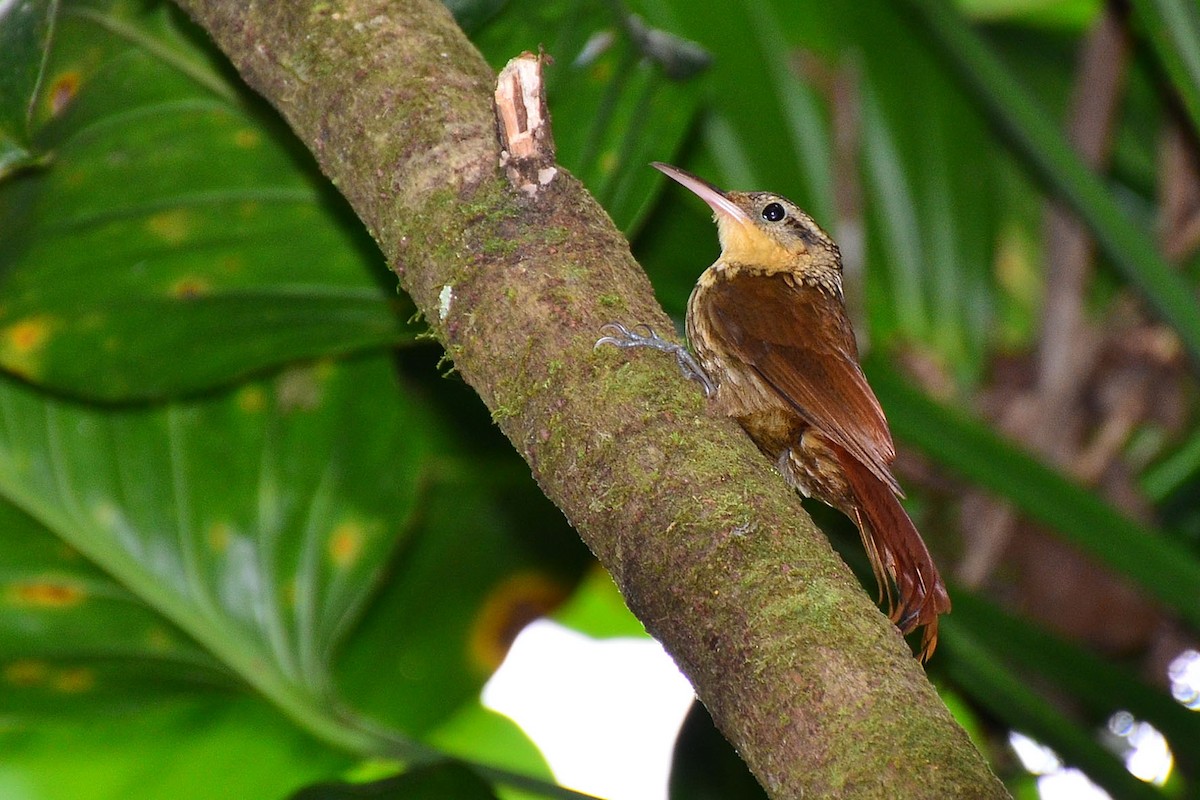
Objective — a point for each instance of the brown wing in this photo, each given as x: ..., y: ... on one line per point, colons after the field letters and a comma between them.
x: 798, y: 340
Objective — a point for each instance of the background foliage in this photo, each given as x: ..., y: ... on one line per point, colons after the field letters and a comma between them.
x: 251, y: 531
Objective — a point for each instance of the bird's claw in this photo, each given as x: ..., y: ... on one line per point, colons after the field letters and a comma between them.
x: 622, y: 336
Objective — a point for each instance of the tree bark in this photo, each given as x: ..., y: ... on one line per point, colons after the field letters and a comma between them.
x: 710, y: 548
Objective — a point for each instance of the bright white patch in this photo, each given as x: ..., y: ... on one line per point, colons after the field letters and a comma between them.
x: 445, y: 298
x: 1055, y: 782
x: 1036, y: 758
x: 1184, y: 673
x: 1148, y: 758
x: 8, y: 5
x: 1069, y: 784
x: 593, y: 48
x: 605, y: 713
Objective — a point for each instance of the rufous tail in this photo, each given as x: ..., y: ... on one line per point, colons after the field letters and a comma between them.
x: 898, y: 554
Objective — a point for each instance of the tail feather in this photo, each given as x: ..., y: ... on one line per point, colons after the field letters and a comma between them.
x: 898, y: 555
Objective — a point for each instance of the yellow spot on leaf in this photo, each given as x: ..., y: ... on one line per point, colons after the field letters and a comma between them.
x: 158, y: 639
x: 105, y: 514
x: 513, y: 604
x: 248, y: 209
x: 22, y: 344
x: 189, y: 287
x: 74, y: 680
x: 28, y: 336
x: 345, y: 544
x: 47, y: 593
x: 246, y: 138
x: 602, y: 71
x: 218, y: 537
x: 25, y: 673
x: 608, y: 162
x: 62, y: 91
x: 252, y: 399
x: 325, y: 369
x: 171, y: 226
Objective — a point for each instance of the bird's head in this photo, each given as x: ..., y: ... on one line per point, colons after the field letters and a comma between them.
x: 761, y: 230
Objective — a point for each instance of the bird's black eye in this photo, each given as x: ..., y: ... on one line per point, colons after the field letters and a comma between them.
x: 773, y: 212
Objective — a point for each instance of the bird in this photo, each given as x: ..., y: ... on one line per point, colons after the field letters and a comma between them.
x: 774, y: 350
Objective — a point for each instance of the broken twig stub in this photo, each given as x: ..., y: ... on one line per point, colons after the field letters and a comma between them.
x: 523, y: 124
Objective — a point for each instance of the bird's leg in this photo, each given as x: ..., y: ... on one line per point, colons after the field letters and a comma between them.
x: 621, y: 336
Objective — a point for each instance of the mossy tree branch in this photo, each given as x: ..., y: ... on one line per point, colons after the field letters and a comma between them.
x: 710, y: 548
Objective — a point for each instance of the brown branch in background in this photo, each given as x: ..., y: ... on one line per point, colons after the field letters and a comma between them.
x: 1179, y: 192
x: 711, y: 550
x: 1067, y: 346
x: 1048, y: 419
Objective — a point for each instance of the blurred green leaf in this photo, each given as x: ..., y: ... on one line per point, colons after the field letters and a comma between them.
x: 1044, y: 148
x: 1012, y: 700
x: 212, y: 745
x: 438, y: 782
x: 172, y: 208
x: 1173, y: 28
x: 509, y: 557
x: 25, y: 30
x: 933, y: 222
x: 1069, y: 14
x: 1099, y: 686
x: 1179, y: 467
x: 473, y: 14
x: 597, y: 609
x: 486, y: 737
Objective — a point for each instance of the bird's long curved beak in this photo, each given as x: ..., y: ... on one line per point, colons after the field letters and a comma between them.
x: 716, y: 199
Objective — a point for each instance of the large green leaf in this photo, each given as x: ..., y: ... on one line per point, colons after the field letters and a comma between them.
x: 175, y: 237
x: 212, y: 745
x: 256, y: 522
x: 71, y: 635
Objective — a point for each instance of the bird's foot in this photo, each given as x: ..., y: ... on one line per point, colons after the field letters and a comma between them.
x: 620, y: 336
